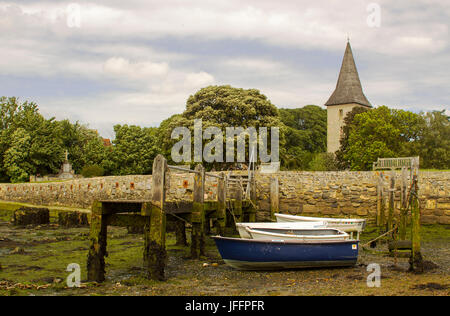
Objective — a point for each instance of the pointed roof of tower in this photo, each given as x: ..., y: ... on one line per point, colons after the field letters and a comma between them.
x: 348, y: 88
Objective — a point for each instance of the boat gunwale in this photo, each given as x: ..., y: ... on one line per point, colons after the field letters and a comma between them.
x: 340, y: 234
x: 326, y: 219
x: 322, y: 224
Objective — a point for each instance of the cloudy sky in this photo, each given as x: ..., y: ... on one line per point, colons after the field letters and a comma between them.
x: 136, y: 62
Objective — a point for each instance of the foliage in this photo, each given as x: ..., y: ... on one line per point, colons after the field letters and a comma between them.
x: 222, y: 107
x: 85, y: 146
x: 29, y: 143
x: 90, y: 171
x: 306, y: 134
x: 134, y: 149
x: 382, y: 133
x: 323, y: 162
x: 342, y: 163
x: 434, y: 144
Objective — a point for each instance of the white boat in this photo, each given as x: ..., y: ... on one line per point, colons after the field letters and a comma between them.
x: 348, y: 225
x: 316, y: 234
x: 241, y: 227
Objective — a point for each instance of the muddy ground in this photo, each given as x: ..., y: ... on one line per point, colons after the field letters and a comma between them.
x: 34, y: 260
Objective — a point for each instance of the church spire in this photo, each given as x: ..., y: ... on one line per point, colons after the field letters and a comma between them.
x: 348, y: 88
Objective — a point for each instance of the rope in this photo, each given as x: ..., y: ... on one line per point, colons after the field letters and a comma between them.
x: 180, y: 218
x: 230, y: 209
x: 386, y: 233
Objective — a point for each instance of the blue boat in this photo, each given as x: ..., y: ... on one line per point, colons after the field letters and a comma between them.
x: 254, y: 254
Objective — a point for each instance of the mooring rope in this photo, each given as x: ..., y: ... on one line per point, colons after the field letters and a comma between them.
x: 386, y: 233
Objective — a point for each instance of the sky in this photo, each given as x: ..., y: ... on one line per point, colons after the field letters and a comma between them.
x: 136, y: 62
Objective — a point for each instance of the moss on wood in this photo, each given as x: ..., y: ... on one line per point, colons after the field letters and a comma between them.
x: 31, y: 216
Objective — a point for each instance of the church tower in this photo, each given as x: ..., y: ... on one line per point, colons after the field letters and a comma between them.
x: 347, y: 95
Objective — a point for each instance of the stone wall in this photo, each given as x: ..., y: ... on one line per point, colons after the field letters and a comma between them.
x: 310, y: 193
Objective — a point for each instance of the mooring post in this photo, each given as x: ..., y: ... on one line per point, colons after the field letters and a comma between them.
x: 274, y: 197
x: 379, y: 199
x: 180, y: 233
x: 391, y: 201
x: 221, y: 204
x: 198, y: 214
x: 238, y: 211
x: 97, y: 250
x: 416, y: 262
x: 252, y: 215
x: 155, y: 223
x: 403, y: 208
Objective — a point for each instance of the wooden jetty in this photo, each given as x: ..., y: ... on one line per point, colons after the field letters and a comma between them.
x: 151, y: 215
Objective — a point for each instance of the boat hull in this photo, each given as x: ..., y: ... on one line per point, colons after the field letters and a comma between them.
x: 250, y: 254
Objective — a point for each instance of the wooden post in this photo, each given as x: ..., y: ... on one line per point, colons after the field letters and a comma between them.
x: 403, y: 208
x: 221, y: 204
x: 180, y: 233
x: 238, y: 212
x: 416, y: 262
x: 97, y: 250
x: 198, y: 214
x: 155, y: 224
x: 252, y: 215
x: 391, y: 202
x: 379, y: 199
x: 274, y: 197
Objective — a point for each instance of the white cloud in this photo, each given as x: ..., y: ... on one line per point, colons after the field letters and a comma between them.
x: 126, y: 70
x: 199, y: 79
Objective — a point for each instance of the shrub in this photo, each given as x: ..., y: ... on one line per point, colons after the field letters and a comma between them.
x: 90, y: 171
x: 323, y: 162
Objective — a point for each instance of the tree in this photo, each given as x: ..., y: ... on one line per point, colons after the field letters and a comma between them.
x: 434, y: 144
x: 222, y: 107
x: 21, y: 123
x: 85, y: 146
x: 17, y: 157
x: 306, y: 134
x: 342, y: 163
x: 382, y: 133
x: 134, y: 149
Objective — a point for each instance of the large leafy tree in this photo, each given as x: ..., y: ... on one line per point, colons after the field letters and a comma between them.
x: 134, y: 150
x: 381, y: 133
x: 26, y: 133
x: 222, y: 107
x: 434, y: 144
x: 17, y: 159
x: 349, y: 125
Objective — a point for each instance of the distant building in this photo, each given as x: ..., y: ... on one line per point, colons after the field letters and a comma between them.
x: 347, y: 95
